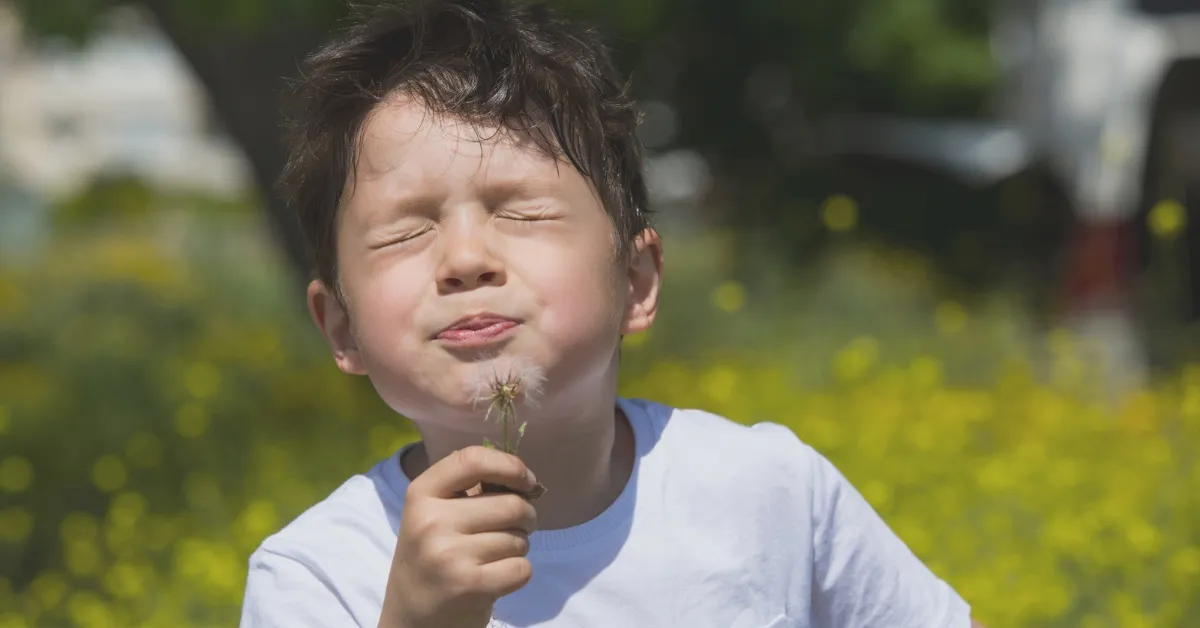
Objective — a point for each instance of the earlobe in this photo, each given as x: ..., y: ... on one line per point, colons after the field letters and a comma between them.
x: 645, y: 279
x: 333, y: 320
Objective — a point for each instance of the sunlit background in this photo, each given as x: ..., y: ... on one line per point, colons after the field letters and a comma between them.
x: 953, y: 244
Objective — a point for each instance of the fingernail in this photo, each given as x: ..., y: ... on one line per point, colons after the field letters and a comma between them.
x: 537, y: 491
x: 529, y: 477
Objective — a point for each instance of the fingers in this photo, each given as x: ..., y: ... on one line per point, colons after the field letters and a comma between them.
x: 495, y: 512
x: 452, y: 549
x: 490, y: 547
x: 504, y: 576
x: 462, y: 470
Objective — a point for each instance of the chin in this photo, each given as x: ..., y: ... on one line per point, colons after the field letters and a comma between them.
x: 491, y: 375
x: 460, y: 388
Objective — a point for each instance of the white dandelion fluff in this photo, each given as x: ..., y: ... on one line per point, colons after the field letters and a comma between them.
x: 504, y: 384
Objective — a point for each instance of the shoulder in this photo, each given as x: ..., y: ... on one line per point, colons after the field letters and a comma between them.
x: 722, y: 451
x: 703, y: 432
x: 328, y: 566
x: 355, y: 524
x: 744, y: 491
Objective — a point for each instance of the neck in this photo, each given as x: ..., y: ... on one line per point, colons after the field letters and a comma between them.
x: 584, y: 461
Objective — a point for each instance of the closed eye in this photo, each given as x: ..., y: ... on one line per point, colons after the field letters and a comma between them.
x: 400, y: 239
x: 527, y: 216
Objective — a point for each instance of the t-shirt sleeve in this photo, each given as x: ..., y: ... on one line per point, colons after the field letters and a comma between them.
x: 864, y: 576
x: 282, y: 592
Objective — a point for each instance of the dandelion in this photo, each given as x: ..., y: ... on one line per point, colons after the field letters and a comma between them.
x: 504, y: 388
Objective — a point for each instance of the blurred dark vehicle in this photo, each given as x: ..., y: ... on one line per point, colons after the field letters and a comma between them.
x: 1100, y: 99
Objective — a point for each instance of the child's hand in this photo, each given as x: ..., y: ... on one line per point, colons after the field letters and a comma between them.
x: 455, y: 556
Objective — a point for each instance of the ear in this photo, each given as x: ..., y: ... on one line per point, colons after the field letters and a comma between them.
x: 645, y: 279
x: 333, y: 320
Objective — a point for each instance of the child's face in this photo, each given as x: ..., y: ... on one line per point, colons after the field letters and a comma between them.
x: 446, y: 221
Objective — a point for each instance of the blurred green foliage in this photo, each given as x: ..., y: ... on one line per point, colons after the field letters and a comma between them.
x: 165, y: 404
x: 746, y: 84
x: 917, y: 46
x: 162, y: 399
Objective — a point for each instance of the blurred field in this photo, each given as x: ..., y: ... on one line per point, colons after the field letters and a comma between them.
x: 165, y: 404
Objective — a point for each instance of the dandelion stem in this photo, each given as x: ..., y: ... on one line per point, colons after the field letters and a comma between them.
x: 503, y: 392
x: 504, y: 419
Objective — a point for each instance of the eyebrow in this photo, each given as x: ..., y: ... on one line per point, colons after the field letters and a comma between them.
x: 493, y: 193
x: 413, y: 204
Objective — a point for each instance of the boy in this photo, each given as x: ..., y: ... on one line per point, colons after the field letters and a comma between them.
x: 468, y: 178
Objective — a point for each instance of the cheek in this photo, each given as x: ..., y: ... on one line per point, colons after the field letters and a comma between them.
x: 385, y: 307
x: 579, y: 300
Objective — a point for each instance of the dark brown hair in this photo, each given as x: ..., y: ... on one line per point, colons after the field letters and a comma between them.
x: 514, y: 65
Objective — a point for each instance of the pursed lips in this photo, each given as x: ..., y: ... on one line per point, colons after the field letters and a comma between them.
x: 477, y: 329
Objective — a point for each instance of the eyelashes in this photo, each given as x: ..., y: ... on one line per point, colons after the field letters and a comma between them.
x: 524, y: 220
x: 520, y: 220
x: 400, y: 239
x: 527, y: 216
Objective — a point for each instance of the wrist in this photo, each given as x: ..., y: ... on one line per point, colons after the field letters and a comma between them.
x: 394, y: 618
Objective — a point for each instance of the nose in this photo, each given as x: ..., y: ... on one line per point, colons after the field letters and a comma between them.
x: 467, y: 261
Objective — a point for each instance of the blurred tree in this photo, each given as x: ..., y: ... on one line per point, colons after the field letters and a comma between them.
x: 741, y: 82
x: 241, y: 50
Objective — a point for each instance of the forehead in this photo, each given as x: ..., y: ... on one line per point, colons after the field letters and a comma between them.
x: 403, y: 140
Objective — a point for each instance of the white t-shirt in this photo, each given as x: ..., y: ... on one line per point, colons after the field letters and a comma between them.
x: 721, y: 525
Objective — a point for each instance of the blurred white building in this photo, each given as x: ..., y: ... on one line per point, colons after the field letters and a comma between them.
x: 124, y: 104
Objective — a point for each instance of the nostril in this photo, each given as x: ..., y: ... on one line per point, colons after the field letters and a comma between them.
x: 487, y: 277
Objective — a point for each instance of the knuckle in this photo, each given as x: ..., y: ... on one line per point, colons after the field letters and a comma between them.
x: 463, y: 581
x: 516, y: 466
x: 531, y: 519
x: 413, y: 492
x: 472, y: 579
x: 520, y: 544
x: 522, y: 571
x: 421, y: 523
x: 516, y: 508
x: 472, y: 458
x: 439, y: 552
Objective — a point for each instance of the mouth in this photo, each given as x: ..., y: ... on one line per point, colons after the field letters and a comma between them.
x: 477, y: 330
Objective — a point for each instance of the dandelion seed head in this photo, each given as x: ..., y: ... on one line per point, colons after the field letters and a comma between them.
x: 512, y: 378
